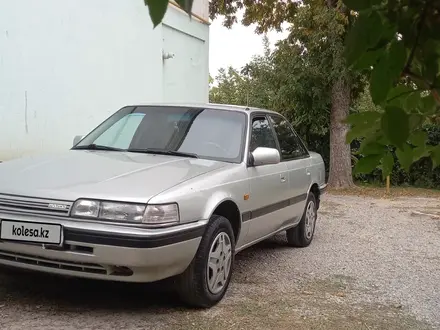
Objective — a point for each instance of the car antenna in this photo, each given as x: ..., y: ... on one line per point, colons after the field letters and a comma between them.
x: 247, y: 100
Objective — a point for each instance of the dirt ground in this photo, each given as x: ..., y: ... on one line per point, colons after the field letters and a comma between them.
x: 374, y: 264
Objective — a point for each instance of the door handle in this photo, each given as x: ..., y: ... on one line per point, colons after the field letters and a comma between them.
x: 283, y: 178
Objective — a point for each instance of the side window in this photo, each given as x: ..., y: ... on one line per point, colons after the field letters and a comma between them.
x: 262, y: 135
x: 121, y: 133
x: 290, y: 145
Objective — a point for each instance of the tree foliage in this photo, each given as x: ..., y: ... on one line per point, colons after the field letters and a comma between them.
x: 266, y: 14
x: 397, y: 43
x: 230, y: 88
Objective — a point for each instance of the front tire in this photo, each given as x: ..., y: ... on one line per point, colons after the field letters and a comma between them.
x: 205, y: 281
x: 302, y: 234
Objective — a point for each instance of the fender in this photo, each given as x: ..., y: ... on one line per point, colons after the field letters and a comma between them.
x: 310, y: 186
x: 215, y: 200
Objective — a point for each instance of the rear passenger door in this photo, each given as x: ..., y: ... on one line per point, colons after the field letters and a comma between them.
x: 297, y: 159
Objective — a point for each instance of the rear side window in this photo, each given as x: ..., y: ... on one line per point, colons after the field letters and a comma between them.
x: 290, y: 145
x: 262, y: 134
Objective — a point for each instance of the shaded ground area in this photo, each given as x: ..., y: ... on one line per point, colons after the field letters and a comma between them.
x: 374, y: 264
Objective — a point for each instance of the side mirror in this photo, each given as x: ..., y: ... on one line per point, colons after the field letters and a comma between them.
x: 265, y: 156
x: 76, y: 139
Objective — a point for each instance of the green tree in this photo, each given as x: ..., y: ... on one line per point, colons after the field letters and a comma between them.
x: 251, y: 86
x: 283, y: 80
x: 317, y: 31
x: 230, y: 87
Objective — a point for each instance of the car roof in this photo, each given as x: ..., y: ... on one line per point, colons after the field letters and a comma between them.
x: 214, y: 106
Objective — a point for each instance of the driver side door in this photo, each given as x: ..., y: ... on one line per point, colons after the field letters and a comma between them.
x: 269, y: 185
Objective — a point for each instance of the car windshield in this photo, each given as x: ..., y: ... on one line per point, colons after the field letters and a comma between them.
x: 197, y: 132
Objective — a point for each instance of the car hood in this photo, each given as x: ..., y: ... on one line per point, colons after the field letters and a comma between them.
x: 99, y: 174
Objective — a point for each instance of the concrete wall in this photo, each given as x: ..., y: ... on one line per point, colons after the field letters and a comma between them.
x: 67, y: 65
x: 186, y: 75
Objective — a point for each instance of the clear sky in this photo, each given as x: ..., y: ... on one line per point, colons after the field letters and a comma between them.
x: 235, y: 46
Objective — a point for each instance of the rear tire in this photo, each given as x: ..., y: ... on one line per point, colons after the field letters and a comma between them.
x: 302, y: 234
x: 205, y: 281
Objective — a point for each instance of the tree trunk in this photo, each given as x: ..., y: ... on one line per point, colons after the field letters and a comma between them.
x: 340, y: 172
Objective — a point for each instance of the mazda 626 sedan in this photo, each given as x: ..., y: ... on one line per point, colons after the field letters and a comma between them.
x: 161, y: 191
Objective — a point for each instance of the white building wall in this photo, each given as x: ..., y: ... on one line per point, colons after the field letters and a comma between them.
x: 186, y: 75
x: 67, y: 65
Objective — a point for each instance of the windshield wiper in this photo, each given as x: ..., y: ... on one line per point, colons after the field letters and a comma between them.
x: 97, y: 147
x: 163, y: 152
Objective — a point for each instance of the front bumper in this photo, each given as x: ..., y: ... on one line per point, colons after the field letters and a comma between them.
x: 106, y: 251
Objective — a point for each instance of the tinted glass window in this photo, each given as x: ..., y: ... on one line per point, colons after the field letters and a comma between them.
x: 290, y: 145
x: 215, y: 134
x: 208, y: 133
x: 262, y: 135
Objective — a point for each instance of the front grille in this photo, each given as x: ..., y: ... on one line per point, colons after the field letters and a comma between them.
x: 52, y: 263
x: 34, y: 205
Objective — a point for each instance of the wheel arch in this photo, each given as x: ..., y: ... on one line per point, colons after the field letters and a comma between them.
x: 228, y: 208
x: 314, y: 189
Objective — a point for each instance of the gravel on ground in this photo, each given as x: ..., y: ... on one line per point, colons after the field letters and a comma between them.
x: 374, y: 264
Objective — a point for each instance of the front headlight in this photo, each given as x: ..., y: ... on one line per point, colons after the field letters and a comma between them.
x: 121, y: 211
x: 85, y: 208
x: 150, y: 215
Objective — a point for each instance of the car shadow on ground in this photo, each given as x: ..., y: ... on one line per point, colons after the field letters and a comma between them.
x: 63, y: 293
x: 66, y: 293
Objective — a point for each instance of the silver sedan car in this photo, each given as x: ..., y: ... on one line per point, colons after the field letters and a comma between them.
x: 162, y: 191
